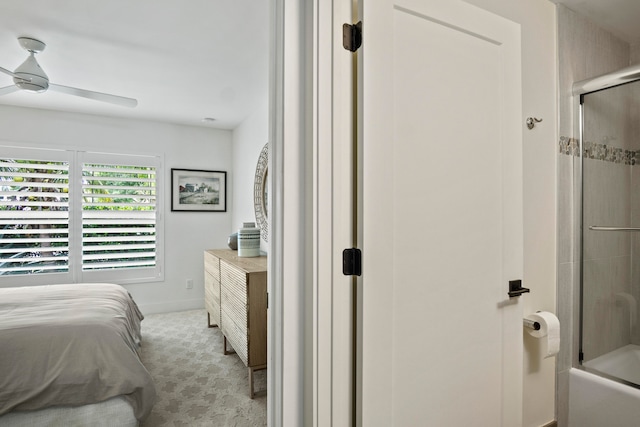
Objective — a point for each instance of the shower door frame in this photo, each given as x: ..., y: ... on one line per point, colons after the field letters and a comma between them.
x: 580, y: 89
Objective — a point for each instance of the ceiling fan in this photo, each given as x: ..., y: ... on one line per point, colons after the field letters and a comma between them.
x: 30, y: 76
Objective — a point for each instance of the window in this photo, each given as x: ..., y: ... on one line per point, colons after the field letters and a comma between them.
x: 79, y: 216
x: 34, y: 215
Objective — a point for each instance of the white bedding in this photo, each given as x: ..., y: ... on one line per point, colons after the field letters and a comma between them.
x: 110, y: 413
x: 68, y: 347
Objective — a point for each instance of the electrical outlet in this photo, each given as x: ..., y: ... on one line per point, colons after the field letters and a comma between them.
x: 189, y: 283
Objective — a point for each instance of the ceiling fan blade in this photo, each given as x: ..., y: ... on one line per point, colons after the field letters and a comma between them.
x: 4, y: 70
x: 97, y: 96
x: 7, y: 90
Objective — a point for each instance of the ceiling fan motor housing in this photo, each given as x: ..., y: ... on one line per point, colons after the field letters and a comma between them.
x: 36, y: 80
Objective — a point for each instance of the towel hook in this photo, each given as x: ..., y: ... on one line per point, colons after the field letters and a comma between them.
x: 531, y: 122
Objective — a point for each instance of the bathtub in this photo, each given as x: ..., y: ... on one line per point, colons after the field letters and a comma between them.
x: 623, y: 363
x: 595, y: 401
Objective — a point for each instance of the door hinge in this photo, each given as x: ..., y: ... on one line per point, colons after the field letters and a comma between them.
x: 352, y: 36
x: 267, y: 300
x: 352, y: 262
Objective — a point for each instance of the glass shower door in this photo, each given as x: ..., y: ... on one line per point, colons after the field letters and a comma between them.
x: 610, y: 275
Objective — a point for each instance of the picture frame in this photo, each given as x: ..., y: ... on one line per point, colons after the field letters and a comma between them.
x: 196, y: 190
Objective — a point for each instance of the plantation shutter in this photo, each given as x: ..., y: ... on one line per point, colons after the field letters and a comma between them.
x: 34, y: 212
x: 119, y: 217
x: 71, y: 216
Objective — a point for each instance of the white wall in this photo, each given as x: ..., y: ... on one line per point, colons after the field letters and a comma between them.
x: 248, y: 140
x: 539, y: 80
x: 635, y: 54
x: 187, y: 234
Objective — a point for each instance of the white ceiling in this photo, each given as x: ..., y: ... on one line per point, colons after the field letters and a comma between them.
x: 183, y: 60
x: 619, y: 17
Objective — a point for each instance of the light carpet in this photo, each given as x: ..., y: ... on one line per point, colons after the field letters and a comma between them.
x: 196, y: 384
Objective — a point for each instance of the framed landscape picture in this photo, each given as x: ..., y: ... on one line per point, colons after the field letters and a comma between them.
x: 195, y: 190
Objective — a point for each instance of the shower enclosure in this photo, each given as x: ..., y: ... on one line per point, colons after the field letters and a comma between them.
x: 609, y: 339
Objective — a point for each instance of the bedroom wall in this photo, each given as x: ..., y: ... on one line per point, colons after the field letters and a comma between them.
x: 634, y: 54
x: 187, y: 234
x: 248, y: 139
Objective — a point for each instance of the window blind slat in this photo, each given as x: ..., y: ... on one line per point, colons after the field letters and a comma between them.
x: 121, y: 247
x: 33, y: 269
x: 117, y: 205
x: 35, y: 165
x: 89, y: 179
x: 35, y: 231
x: 138, y: 189
x: 101, y: 230
x: 96, y: 224
x: 34, y: 259
x: 103, y: 265
x: 118, y: 215
x: 34, y: 221
x: 18, y: 250
x: 112, y: 256
x: 46, y: 194
x: 23, y: 203
x: 108, y: 239
x: 146, y: 200
x: 19, y: 215
x: 34, y: 240
x: 122, y: 170
x: 32, y: 175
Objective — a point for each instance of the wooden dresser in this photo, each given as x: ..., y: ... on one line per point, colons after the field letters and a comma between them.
x: 235, y: 296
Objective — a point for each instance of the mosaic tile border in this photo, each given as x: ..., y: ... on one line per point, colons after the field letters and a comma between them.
x: 595, y: 151
x: 569, y: 146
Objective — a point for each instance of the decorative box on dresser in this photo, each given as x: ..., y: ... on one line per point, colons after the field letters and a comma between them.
x: 235, y: 296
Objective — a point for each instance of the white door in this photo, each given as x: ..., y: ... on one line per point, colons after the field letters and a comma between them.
x: 441, y: 221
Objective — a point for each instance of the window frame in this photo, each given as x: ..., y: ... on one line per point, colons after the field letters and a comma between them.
x: 76, y: 158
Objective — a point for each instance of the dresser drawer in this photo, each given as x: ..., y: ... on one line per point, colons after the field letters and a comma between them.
x: 235, y: 308
x: 212, y: 265
x: 235, y: 334
x: 212, y: 297
x: 234, y: 280
x: 212, y: 285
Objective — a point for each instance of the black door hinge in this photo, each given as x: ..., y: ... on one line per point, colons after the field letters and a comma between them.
x: 352, y: 36
x: 352, y: 262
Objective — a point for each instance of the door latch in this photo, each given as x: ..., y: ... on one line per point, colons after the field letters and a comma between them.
x: 516, y: 289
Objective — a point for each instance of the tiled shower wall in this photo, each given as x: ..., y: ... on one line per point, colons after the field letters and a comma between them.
x: 585, y: 50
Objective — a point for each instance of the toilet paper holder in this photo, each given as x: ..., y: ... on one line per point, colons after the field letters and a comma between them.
x: 531, y: 324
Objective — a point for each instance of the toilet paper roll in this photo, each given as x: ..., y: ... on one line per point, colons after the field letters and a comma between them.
x: 631, y: 303
x: 549, y: 331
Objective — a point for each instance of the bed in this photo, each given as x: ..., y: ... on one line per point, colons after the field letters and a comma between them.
x: 70, y: 354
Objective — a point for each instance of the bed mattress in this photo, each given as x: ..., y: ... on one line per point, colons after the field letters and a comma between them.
x: 71, y: 345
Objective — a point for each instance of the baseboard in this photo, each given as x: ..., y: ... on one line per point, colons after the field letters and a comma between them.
x: 167, y: 307
x: 553, y: 423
